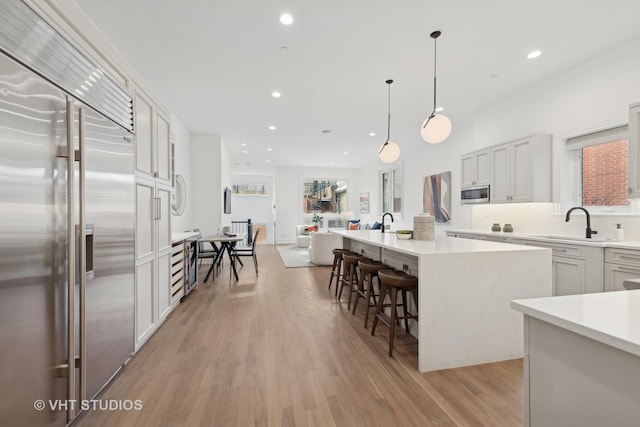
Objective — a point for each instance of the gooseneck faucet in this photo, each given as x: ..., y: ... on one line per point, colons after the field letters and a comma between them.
x: 383, y: 215
x: 589, y: 230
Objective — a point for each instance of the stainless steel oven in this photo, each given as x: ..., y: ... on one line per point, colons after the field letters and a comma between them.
x: 473, y: 195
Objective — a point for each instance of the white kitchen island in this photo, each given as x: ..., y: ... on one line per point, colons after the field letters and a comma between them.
x: 465, y: 289
x: 582, y: 359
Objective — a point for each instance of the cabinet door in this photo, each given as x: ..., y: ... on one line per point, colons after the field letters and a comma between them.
x: 163, y: 232
x: 615, y: 275
x: 144, y: 219
x: 163, y: 157
x: 144, y: 301
x: 164, y: 284
x: 143, y: 128
x: 634, y: 151
x: 568, y: 276
x: 500, y: 173
x: 482, y: 171
x: 521, y: 174
x: 467, y: 169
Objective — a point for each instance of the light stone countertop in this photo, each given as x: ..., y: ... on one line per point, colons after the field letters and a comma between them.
x: 612, y: 318
x: 575, y: 240
x: 441, y: 244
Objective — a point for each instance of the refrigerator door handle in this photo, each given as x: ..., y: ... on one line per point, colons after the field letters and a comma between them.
x: 83, y: 255
x: 71, y: 259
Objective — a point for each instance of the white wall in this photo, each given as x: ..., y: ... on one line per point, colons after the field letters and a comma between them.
x: 598, y: 91
x: 182, y: 141
x: 210, y: 170
x: 289, y: 191
x: 258, y: 208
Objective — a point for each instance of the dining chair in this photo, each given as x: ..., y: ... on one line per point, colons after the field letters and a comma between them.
x: 249, y: 252
x: 204, y: 253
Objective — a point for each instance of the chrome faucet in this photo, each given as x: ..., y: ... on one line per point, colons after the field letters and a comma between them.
x: 383, y: 215
x: 589, y: 230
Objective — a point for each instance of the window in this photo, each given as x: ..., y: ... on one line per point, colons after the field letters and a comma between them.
x: 599, y: 170
x: 391, y: 188
x: 324, y: 196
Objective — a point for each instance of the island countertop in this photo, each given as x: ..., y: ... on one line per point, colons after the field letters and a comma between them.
x: 612, y: 318
x: 441, y: 244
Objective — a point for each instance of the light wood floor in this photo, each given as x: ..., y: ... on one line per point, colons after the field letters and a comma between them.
x: 279, y: 350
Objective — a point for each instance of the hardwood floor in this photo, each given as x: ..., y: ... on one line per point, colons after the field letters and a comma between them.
x: 279, y: 350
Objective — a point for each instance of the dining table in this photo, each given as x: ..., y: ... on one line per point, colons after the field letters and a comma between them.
x: 227, y: 243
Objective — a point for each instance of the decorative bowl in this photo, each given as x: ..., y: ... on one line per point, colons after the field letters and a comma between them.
x: 404, y: 234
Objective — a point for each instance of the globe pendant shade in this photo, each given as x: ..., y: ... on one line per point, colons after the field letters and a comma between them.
x: 389, y: 152
x: 438, y: 129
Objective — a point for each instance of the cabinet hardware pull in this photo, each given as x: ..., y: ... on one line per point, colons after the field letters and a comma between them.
x: 623, y: 268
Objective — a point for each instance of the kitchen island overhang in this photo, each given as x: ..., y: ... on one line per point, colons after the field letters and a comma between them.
x: 465, y: 290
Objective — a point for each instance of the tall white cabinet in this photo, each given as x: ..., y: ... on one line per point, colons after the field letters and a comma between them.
x: 153, y: 217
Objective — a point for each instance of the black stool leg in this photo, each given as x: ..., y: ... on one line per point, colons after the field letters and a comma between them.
x: 394, y: 314
x: 381, y: 295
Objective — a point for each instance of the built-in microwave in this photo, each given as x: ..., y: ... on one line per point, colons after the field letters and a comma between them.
x: 472, y: 195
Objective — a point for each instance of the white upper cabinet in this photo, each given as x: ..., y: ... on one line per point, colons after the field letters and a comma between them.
x: 475, y: 169
x: 164, y: 146
x: 520, y: 171
x: 143, y: 128
x: 634, y: 150
x: 153, y: 145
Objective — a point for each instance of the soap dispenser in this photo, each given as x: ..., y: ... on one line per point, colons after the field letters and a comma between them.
x: 619, y: 233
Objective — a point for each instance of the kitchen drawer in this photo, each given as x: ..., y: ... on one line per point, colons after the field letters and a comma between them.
x: 616, y: 275
x: 628, y: 257
x: 502, y: 239
x: 400, y: 261
x: 558, y: 248
x: 366, y: 249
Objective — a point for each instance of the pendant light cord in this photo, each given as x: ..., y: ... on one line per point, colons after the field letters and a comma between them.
x: 388, y: 82
x: 434, y: 36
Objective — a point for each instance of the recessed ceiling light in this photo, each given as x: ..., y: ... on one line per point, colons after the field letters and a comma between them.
x: 272, y: 127
x: 326, y: 131
x: 534, y: 54
x: 331, y: 163
x: 494, y: 75
x: 372, y: 134
x: 243, y: 144
x: 286, y: 19
x: 346, y: 153
x: 267, y: 161
x: 269, y: 149
x: 244, y: 151
x: 276, y: 94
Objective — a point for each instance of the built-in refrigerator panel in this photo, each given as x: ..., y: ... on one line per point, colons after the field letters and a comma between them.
x: 109, y: 237
x: 33, y: 232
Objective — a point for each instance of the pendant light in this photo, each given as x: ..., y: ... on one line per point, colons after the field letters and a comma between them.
x: 389, y: 152
x: 437, y: 127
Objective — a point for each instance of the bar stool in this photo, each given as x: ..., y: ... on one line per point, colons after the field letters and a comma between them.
x: 336, y: 267
x: 349, y: 273
x: 392, y: 281
x: 368, y: 270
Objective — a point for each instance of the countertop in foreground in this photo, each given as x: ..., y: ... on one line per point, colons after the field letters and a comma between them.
x: 612, y: 318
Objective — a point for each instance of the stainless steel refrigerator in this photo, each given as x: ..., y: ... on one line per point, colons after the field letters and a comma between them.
x: 66, y: 224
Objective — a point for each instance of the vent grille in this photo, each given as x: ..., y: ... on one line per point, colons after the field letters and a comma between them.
x: 27, y: 38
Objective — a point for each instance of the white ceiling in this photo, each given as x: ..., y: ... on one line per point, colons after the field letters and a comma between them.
x: 215, y: 63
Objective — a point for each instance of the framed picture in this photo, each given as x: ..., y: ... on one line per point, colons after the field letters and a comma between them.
x: 437, y: 196
x: 364, y: 202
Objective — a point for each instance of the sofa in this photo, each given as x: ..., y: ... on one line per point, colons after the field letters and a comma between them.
x: 321, y: 246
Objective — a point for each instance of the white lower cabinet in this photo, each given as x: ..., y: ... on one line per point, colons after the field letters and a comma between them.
x: 568, y: 275
x: 576, y: 269
x: 621, y: 269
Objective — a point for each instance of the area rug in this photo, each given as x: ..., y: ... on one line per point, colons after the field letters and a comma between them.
x: 293, y: 256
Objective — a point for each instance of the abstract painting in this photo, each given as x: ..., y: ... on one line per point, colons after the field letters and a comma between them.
x: 437, y: 196
x: 364, y: 202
